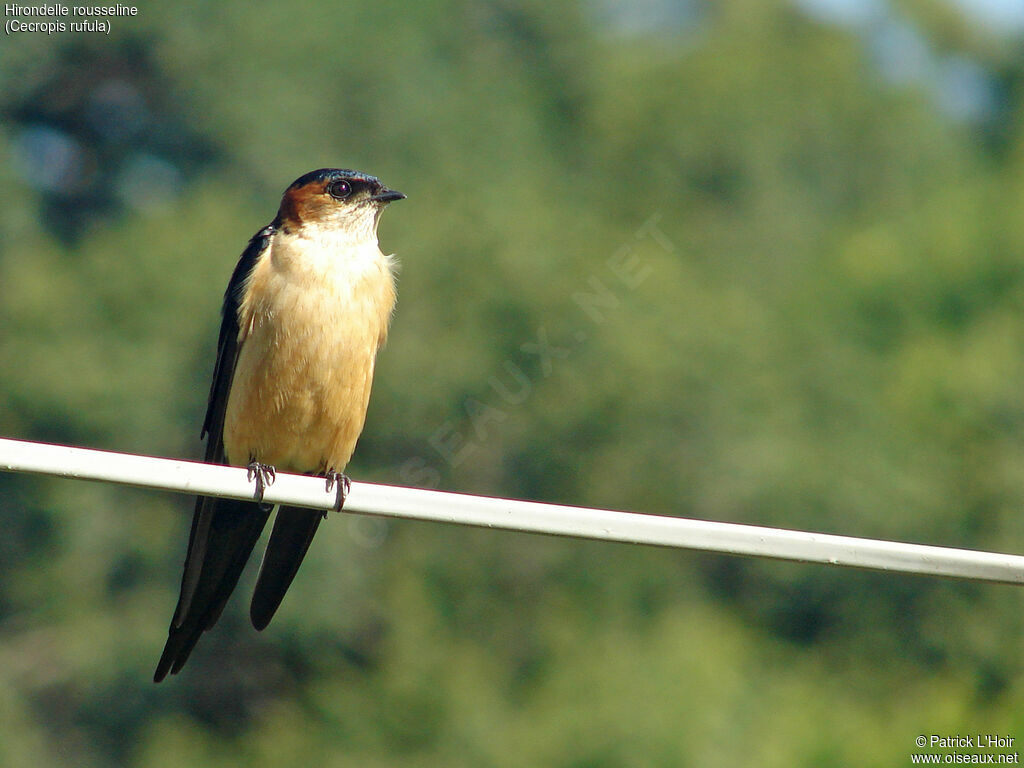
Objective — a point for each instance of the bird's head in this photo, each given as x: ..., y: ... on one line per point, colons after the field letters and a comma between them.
x: 337, y: 199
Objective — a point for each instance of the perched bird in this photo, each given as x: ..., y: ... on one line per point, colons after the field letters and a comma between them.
x: 304, y: 314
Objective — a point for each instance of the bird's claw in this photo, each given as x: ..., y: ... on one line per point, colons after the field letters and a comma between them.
x: 264, y: 475
x: 338, y: 481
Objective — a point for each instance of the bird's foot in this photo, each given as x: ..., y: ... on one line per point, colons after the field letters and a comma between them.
x: 264, y: 475
x: 338, y: 481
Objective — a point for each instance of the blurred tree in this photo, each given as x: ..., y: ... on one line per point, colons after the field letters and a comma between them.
x: 97, y: 132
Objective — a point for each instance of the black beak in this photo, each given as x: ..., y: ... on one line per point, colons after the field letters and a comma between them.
x: 388, y: 196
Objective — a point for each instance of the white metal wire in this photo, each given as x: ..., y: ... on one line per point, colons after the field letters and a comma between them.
x: 535, y: 517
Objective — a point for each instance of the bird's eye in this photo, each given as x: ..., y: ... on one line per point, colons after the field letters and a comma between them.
x: 339, y: 189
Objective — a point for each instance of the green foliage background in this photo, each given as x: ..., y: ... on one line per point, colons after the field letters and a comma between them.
x: 813, y: 317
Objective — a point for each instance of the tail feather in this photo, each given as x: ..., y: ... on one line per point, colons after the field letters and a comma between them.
x: 293, y: 531
x: 224, y: 533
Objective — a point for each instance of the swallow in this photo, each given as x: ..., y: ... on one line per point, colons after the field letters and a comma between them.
x: 305, y: 312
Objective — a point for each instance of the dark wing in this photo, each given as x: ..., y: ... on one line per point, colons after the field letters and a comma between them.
x: 294, y: 529
x: 227, y: 345
x: 224, y: 531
